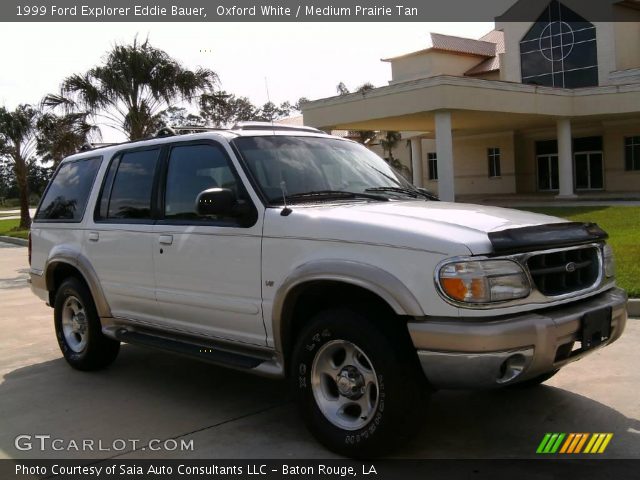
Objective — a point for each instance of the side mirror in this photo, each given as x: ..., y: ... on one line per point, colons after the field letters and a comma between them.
x: 216, y: 201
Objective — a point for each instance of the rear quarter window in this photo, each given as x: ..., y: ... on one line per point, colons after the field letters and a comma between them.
x: 65, y: 199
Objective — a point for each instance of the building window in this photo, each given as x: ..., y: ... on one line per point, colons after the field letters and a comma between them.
x: 493, y: 155
x: 560, y: 50
x: 632, y: 153
x: 432, y: 160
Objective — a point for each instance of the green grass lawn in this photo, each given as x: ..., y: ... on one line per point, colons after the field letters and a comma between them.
x: 623, y: 226
x: 9, y: 228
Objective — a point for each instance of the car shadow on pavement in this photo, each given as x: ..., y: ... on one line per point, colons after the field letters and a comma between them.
x: 148, y: 395
x: 511, y: 422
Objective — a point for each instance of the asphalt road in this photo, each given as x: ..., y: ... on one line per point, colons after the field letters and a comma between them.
x: 149, y: 395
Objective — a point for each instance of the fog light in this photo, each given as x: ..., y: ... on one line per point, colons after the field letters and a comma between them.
x: 511, y: 368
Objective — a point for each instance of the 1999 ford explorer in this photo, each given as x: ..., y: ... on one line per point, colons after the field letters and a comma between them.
x: 287, y: 252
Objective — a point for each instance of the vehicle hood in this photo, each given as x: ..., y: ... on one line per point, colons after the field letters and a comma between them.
x: 447, y: 228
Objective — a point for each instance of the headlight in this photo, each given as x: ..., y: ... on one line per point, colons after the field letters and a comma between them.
x: 609, y: 261
x: 483, y: 281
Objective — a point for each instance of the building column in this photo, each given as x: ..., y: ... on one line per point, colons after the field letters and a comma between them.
x: 565, y: 159
x: 444, y: 152
x: 416, y: 161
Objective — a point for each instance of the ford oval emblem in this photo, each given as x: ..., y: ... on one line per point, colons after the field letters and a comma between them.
x: 570, y: 267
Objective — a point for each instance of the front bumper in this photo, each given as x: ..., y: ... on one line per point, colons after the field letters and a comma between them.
x: 476, y: 353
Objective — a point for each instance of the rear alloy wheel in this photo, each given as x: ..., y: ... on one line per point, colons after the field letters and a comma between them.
x: 358, y: 382
x: 78, y: 328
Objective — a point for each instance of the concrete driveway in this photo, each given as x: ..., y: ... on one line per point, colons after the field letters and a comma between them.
x: 149, y: 395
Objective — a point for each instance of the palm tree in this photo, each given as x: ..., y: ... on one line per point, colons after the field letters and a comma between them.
x: 17, y: 144
x: 132, y: 87
x: 60, y: 136
x: 389, y: 142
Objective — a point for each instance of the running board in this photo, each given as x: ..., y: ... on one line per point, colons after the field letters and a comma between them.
x: 211, y: 354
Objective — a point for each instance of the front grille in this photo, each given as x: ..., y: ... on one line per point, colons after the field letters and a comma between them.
x: 565, y: 271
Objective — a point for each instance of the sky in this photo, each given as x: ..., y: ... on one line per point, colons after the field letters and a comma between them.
x: 296, y: 59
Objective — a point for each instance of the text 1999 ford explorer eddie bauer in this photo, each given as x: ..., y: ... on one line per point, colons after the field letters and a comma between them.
x: 288, y: 252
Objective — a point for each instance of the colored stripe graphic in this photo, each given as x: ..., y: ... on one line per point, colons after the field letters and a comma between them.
x: 550, y: 443
x: 574, y: 443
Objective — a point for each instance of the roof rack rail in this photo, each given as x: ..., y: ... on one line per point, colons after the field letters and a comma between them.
x: 273, y: 126
x: 183, y: 130
x: 165, y: 132
x: 87, y: 147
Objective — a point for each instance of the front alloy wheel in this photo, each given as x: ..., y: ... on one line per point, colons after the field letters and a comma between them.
x: 358, y: 382
x: 344, y: 384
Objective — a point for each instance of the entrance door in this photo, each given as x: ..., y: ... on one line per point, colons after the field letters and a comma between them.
x: 588, y: 171
x: 548, y: 172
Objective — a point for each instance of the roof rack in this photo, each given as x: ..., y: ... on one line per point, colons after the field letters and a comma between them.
x: 273, y: 126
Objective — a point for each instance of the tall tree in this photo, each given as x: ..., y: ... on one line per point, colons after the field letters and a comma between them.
x: 223, y: 109
x: 390, y: 141
x: 18, y: 145
x: 59, y: 136
x: 362, y: 136
x: 132, y: 87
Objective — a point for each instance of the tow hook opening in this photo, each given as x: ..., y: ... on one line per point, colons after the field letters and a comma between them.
x: 511, y: 368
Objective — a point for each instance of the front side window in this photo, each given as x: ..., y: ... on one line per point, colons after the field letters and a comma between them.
x: 193, y: 169
x: 291, y: 166
x: 132, y: 185
x: 632, y: 153
x: 432, y: 159
x: 67, y: 195
x: 493, y: 155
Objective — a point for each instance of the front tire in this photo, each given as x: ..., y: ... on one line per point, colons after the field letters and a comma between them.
x: 358, y: 383
x: 78, y: 328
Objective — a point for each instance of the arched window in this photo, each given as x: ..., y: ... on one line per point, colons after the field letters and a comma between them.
x: 560, y: 50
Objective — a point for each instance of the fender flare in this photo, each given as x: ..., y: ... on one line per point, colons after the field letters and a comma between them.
x: 378, y: 281
x: 65, y: 254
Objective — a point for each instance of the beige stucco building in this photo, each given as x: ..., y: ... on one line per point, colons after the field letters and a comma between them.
x: 547, y: 106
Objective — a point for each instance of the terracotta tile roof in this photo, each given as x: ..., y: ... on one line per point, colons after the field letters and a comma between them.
x: 491, y: 64
x: 463, y: 45
x: 497, y: 37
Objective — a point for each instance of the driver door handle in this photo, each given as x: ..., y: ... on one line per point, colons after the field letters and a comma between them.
x: 165, y: 239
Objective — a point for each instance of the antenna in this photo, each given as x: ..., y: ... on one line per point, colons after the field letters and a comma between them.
x: 266, y: 87
x: 286, y: 210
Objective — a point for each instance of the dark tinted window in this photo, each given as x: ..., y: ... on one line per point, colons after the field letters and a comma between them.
x: 131, y: 191
x: 632, y: 153
x: 493, y: 155
x: 560, y: 50
x: 587, y: 144
x: 66, y: 197
x: 192, y: 169
x: 432, y: 159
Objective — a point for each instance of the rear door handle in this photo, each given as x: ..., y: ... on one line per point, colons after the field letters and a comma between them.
x: 166, y: 239
x: 94, y: 236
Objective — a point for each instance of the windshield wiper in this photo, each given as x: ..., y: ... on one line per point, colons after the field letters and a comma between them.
x: 328, y: 194
x: 412, y: 192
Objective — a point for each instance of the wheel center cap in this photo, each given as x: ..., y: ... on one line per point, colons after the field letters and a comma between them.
x: 350, y: 382
x: 78, y: 323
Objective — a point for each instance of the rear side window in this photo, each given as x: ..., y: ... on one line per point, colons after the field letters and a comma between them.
x: 131, y: 188
x: 66, y: 198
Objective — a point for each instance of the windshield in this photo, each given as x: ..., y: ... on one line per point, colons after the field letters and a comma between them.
x: 302, y: 165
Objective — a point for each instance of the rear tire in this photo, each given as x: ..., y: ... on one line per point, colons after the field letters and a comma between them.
x: 78, y: 328
x: 358, y: 382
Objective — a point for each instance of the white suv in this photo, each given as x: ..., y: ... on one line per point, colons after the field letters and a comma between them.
x: 290, y: 253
